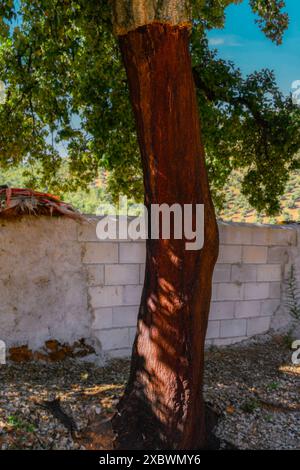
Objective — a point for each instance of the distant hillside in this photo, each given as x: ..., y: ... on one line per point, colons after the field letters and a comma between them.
x: 237, y: 209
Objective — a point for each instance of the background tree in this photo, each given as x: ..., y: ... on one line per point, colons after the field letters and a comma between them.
x: 65, y: 83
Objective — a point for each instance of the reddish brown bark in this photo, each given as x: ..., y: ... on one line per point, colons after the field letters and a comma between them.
x: 163, y: 407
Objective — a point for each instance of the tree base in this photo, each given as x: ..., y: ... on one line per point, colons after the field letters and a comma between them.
x: 128, y: 437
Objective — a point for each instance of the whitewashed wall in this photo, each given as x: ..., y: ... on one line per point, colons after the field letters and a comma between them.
x: 58, y: 281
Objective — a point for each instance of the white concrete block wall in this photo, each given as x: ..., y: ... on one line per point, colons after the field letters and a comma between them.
x: 94, y: 287
x: 247, y: 284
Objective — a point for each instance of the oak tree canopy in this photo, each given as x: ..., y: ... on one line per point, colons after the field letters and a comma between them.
x: 67, y: 101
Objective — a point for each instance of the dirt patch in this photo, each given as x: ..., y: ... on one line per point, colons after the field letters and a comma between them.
x: 53, y: 351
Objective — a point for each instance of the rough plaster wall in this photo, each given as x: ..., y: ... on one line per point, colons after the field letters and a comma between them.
x: 290, y: 256
x: 42, y: 282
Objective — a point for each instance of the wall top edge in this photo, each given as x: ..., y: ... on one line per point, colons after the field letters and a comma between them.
x: 91, y: 218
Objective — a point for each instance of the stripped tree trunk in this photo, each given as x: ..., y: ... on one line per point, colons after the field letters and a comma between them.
x: 162, y: 407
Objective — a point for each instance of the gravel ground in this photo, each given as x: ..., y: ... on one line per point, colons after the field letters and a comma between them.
x: 256, y: 389
x: 253, y: 386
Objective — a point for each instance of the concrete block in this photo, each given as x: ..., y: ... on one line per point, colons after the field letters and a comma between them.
x: 124, y: 316
x: 277, y: 254
x: 142, y: 273
x: 122, y: 274
x: 103, y: 318
x: 247, y: 308
x: 132, y: 252
x: 255, y: 254
x: 106, y: 296
x: 221, y: 310
x: 258, y: 325
x: 275, y: 290
x: 132, y: 295
x: 100, y: 252
x: 234, y: 234
x: 213, y: 329
x: 283, y: 236
x: 256, y: 290
x: 230, y: 254
x: 132, y: 333
x: 222, y: 273
x: 214, y: 293
x: 261, y: 235
x: 116, y: 338
x: 269, y: 272
x: 243, y: 273
x: 269, y: 307
x: 232, y: 328
x: 229, y: 291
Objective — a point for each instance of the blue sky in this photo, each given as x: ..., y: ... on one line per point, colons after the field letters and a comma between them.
x: 243, y: 42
